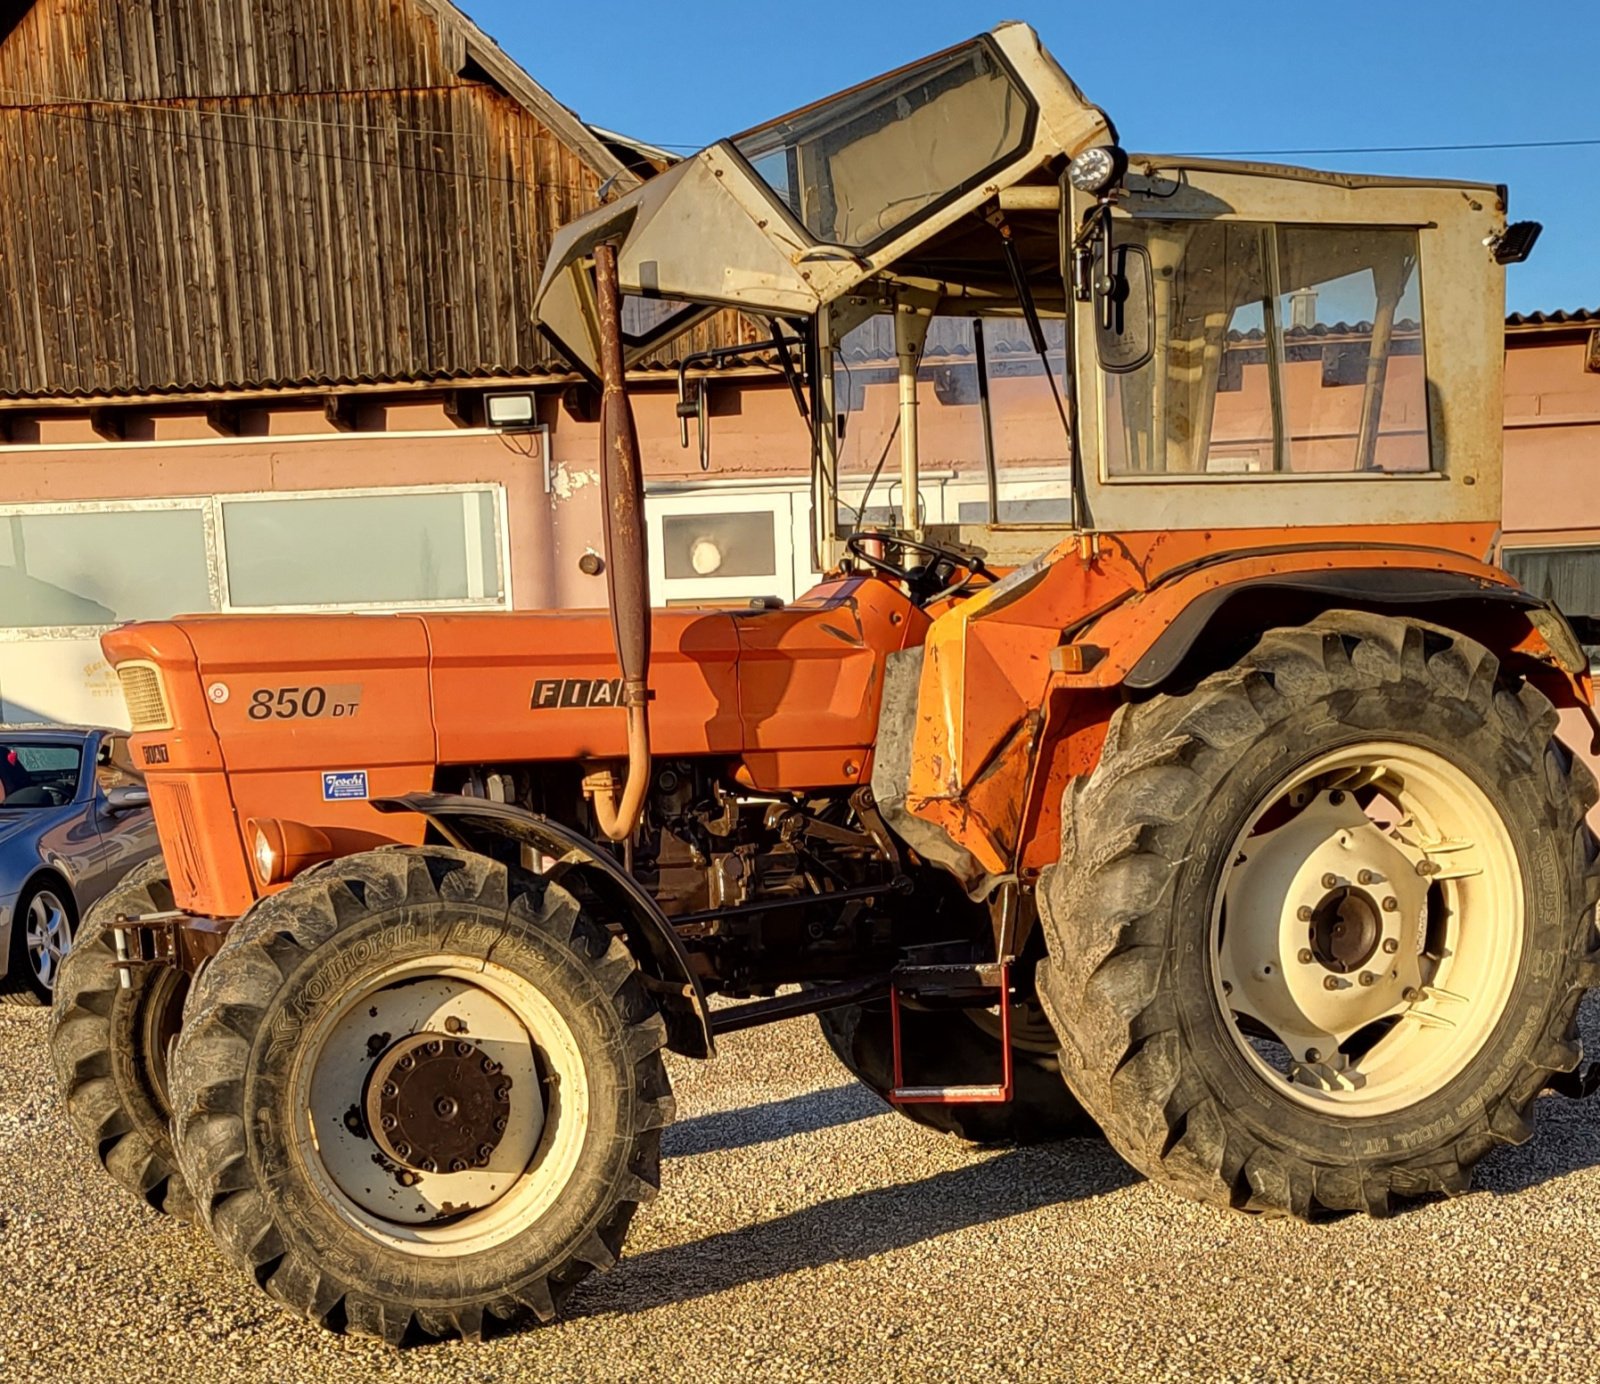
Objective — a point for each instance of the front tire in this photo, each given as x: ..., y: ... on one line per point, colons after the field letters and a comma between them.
x: 419, y: 1093
x: 109, y: 1044
x: 1320, y: 926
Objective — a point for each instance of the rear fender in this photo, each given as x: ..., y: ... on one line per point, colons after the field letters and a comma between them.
x: 476, y: 824
x: 1018, y: 684
x: 1456, y: 599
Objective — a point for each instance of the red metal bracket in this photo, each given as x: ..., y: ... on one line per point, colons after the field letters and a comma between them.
x: 996, y: 976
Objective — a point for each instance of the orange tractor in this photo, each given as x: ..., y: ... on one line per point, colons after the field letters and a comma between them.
x: 1201, y: 787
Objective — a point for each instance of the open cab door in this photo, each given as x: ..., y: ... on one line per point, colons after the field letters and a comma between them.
x: 796, y: 213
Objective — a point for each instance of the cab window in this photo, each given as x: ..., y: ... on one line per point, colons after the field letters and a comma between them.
x: 1279, y: 350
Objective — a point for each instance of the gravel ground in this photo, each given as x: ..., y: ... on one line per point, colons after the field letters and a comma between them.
x: 804, y: 1232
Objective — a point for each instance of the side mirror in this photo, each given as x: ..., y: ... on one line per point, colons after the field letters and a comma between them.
x: 1125, y: 311
x: 126, y: 799
x: 698, y: 409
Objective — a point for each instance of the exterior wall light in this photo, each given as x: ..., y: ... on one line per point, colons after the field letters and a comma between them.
x: 510, y: 411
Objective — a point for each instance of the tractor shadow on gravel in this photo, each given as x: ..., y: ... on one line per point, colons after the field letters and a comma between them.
x: 724, y: 1130
x: 844, y: 1229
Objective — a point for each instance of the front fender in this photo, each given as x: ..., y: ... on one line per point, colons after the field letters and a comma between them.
x: 472, y: 822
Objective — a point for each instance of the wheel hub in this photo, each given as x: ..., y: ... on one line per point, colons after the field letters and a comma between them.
x: 1346, y: 927
x: 436, y: 1103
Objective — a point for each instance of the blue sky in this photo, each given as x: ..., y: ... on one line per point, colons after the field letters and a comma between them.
x: 1174, y: 77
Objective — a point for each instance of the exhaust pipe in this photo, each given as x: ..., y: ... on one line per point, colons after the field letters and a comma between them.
x: 627, y: 580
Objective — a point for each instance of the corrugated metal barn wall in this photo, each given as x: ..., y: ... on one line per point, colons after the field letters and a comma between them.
x: 234, y: 194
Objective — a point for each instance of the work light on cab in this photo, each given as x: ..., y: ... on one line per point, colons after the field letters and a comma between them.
x: 1096, y: 169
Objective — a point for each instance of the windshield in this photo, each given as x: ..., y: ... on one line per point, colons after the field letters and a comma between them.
x: 39, y: 774
x: 859, y: 165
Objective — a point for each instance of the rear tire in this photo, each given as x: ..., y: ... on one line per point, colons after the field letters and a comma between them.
x: 1171, y: 989
x: 109, y: 1047
x: 949, y: 1047
x: 403, y: 981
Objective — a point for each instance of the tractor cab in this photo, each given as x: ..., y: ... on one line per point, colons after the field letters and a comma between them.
x: 1096, y: 341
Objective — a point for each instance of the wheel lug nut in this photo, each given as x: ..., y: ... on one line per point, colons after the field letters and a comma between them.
x: 429, y: 1166
x: 458, y: 1165
x: 390, y: 1090
x: 435, y: 1048
x: 453, y: 1024
x: 1427, y: 867
x: 1411, y: 994
x: 1391, y: 945
x: 1312, y: 1055
x: 463, y: 1049
x: 403, y: 1149
x: 1304, y: 956
x: 1332, y: 983
x: 503, y: 1094
x: 1390, y: 904
x: 1369, y: 877
x: 407, y: 1062
x: 1304, y: 913
x: 499, y: 1128
x: 1330, y: 880
x: 388, y: 1122
x: 484, y: 1153
x: 1366, y: 977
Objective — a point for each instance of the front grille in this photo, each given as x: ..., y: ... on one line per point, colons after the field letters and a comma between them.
x: 174, y: 812
x: 141, y: 690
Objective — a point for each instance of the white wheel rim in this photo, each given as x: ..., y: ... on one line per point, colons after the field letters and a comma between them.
x: 47, y: 935
x: 1366, y: 934
x: 444, y: 1214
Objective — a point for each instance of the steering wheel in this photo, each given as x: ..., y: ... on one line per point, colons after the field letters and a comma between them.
x: 933, y: 579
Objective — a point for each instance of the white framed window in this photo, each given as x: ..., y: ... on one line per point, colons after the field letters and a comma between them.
x: 71, y: 571
x: 722, y: 546
x: 1037, y: 495
x: 413, y: 548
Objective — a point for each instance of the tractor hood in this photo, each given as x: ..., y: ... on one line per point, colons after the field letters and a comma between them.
x: 790, y: 215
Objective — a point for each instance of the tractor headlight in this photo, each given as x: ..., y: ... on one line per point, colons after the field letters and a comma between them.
x: 281, y: 848
x: 266, y: 854
x: 1094, y: 170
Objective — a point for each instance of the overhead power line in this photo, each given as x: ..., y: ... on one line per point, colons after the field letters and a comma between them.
x: 1398, y: 149
x: 43, y: 102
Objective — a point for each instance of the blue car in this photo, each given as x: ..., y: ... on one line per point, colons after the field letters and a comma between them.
x: 74, y: 818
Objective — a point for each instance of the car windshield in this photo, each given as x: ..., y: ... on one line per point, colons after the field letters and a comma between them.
x: 864, y: 163
x: 38, y: 774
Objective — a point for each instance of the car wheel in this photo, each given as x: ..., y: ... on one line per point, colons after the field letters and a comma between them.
x: 41, y: 936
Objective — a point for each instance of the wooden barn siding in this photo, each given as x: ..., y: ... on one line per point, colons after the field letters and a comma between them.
x: 312, y: 199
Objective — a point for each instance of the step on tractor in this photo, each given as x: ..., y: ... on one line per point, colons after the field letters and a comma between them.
x: 1196, y: 784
